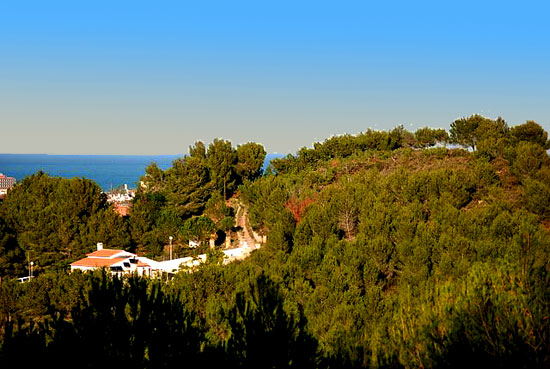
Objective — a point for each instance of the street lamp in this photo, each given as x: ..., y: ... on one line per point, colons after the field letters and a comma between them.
x: 170, y: 238
x: 30, y: 269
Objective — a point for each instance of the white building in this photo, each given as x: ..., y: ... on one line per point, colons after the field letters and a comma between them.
x: 117, y: 261
x: 5, y: 184
x: 121, y: 262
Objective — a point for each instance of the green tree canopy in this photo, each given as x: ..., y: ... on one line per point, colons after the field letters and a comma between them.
x: 427, y: 137
x: 221, y: 159
x: 198, y: 150
x: 153, y: 180
x: 198, y: 228
x: 56, y: 219
x: 188, y: 186
x: 250, y: 159
x: 463, y: 130
x: 12, y: 257
x: 532, y: 132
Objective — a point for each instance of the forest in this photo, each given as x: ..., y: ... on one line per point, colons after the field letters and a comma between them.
x: 385, y: 249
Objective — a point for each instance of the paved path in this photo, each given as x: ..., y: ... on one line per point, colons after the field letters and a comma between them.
x: 244, y: 235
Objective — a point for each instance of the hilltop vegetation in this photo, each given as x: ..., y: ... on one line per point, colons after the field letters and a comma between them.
x: 385, y: 250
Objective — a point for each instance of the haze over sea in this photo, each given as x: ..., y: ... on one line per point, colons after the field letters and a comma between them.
x: 108, y: 171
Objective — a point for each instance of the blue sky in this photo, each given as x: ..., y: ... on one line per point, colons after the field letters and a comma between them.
x: 149, y: 77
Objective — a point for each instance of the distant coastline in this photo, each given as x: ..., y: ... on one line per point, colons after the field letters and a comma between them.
x: 108, y: 171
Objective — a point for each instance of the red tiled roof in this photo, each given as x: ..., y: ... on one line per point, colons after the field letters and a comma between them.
x: 141, y: 264
x: 105, y: 253
x: 96, y: 262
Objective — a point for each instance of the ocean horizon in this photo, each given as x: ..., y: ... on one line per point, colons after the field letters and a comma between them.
x: 108, y: 171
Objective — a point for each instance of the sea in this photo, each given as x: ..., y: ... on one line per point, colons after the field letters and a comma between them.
x: 108, y: 171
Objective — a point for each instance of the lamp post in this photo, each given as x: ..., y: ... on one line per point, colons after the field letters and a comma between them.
x: 170, y: 238
x: 30, y: 269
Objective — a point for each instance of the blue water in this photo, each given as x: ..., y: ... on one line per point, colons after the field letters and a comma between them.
x: 108, y: 171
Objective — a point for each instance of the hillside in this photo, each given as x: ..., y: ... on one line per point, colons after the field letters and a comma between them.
x: 384, y: 250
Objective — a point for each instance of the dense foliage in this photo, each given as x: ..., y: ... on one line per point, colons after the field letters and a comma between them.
x: 52, y: 221
x: 383, y: 251
x: 168, y: 201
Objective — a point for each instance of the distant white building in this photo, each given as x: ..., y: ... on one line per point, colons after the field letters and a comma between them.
x: 5, y: 184
x: 121, y: 197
